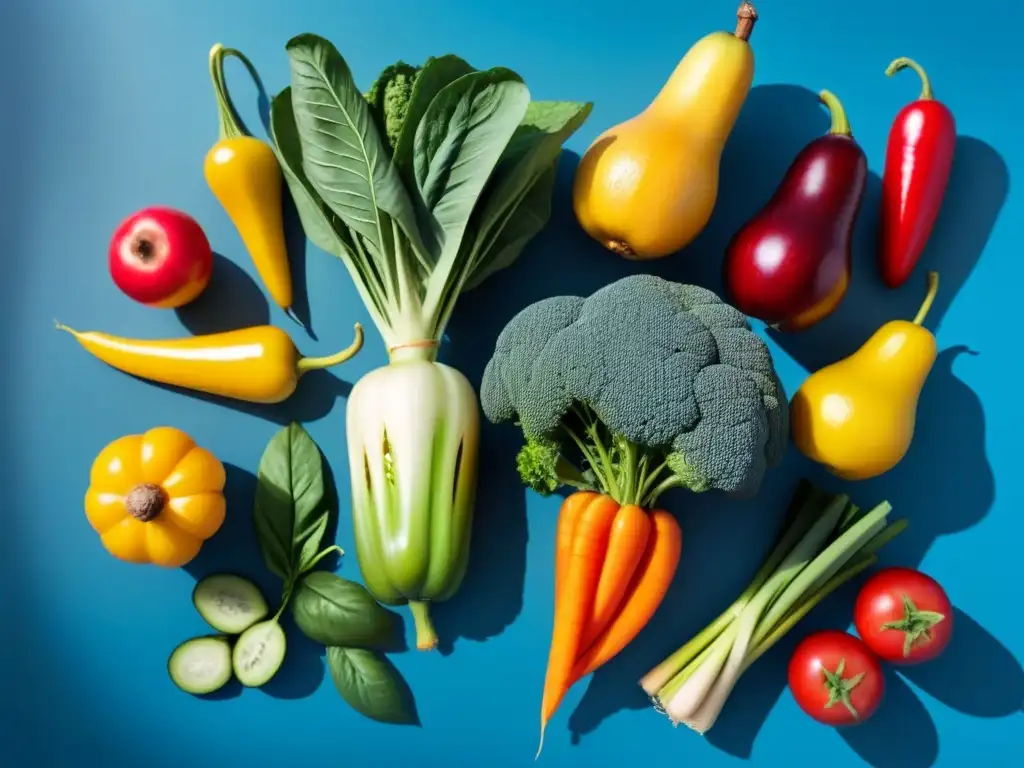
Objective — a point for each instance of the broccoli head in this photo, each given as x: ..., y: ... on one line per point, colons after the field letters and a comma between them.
x: 652, y: 384
x: 389, y: 98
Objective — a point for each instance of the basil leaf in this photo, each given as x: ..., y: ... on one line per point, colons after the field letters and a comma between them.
x: 289, y: 513
x: 371, y: 685
x: 458, y: 143
x: 334, y: 611
x: 522, y: 224
x: 435, y: 75
x: 318, y: 221
x: 343, y: 154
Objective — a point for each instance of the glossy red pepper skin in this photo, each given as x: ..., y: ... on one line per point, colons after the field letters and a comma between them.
x: 918, y: 159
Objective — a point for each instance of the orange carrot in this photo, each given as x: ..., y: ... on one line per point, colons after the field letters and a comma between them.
x: 626, y: 548
x: 582, y: 573
x: 653, y: 577
x: 570, y: 512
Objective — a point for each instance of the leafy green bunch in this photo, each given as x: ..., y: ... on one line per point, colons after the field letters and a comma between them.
x: 424, y: 186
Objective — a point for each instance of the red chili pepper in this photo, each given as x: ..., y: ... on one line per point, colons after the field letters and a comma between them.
x: 918, y: 159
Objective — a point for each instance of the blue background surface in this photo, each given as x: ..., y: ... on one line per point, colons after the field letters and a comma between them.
x: 108, y: 108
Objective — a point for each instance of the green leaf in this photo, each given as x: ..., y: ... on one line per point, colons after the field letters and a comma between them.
x: 343, y: 154
x: 289, y: 513
x: 318, y: 221
x: 536, y: 146
x: 435, y: 75
x: 334, y: 611
x: 371, y: 685
x: 458, y: 143
x: 522, y: 224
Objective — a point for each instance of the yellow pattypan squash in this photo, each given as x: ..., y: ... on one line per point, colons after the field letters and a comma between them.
x: 156, y: 497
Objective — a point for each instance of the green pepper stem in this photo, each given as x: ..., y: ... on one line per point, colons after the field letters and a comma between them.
x: 929, y: 298
x: 313, y: 363
x: 426, y: 635
x: 230, y: 123
x: 903, y: 63
x: 840, y: 122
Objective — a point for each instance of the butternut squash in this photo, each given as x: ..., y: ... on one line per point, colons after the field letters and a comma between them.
x: 647, y: 187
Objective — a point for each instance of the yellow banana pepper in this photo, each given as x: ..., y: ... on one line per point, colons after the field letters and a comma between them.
x: 258, y: 364
x: 244, y: 176
x: 156, y: 497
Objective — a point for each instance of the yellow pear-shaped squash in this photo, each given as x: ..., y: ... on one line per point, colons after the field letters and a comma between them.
x: 646, y: 187
x: 857, y: 416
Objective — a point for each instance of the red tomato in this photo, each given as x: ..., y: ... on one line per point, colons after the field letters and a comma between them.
x: 835, y: 678
x: 904, y: 616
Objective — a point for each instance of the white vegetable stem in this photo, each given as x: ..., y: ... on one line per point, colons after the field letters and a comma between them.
x: 827, y: 541
x: 413, y: 431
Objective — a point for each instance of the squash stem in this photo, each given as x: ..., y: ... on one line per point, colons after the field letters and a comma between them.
x: 313, y: 363
x: 230, y: 123
x: 426, y: 635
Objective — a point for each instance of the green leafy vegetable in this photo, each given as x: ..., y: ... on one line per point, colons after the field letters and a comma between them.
x: 289, y: 512
x: 371, y: 685
x: 334, y: 611
x: 418, y: 209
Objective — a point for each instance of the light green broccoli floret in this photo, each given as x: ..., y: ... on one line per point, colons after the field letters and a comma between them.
x: 389, y: 98
x: 544, y: 469
x: 651, y: 384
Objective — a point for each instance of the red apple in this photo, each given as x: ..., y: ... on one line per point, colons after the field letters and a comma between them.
x: 160, y: 257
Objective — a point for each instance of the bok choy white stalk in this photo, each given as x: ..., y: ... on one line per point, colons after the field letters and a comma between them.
x: 428, y: 184
x: 824, y: 542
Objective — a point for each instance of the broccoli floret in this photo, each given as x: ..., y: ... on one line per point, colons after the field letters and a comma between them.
x: 544, y: 469
x: 653, y: 384
x: 389, y: 99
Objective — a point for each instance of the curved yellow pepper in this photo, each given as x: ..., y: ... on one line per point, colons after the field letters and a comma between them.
x: 156, y: 497
x: 244, y: 176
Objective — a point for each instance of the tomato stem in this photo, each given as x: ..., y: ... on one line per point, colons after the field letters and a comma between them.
x: 840, y: 688
x: 916, y: 625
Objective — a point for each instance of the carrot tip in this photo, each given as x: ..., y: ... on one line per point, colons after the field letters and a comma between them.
x: 541, y: 745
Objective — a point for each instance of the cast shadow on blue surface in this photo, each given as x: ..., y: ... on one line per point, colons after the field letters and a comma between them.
x: 944, y: 485
x: 235, y: 549
x: 232, y: 300
x: 235, y: 300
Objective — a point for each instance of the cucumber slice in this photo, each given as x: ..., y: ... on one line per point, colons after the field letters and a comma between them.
x: 201, y: 665
x: 229, y: 603
x: 258, y: 654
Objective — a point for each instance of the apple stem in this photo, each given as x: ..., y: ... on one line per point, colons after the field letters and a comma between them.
x: 313, y: 363
x: 933, y: 288
x: 230, y: 123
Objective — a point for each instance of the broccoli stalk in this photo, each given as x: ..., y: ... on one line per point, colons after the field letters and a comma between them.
x: 629, y: 473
